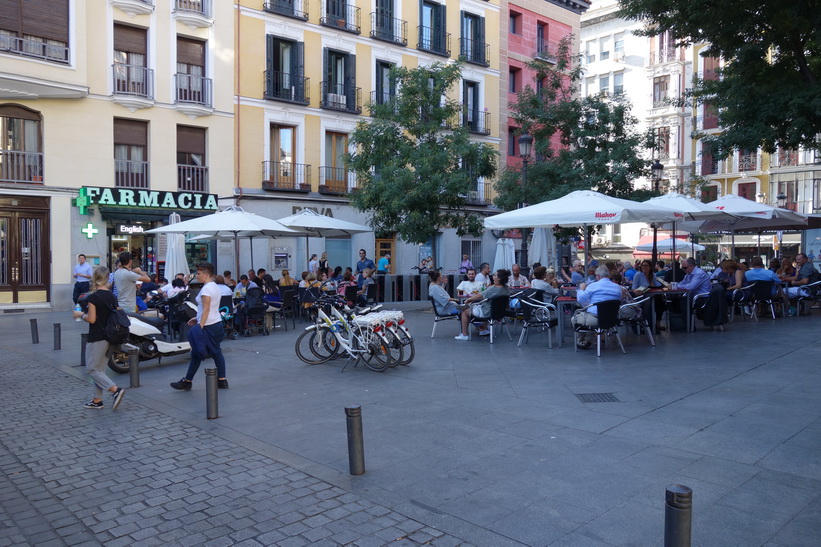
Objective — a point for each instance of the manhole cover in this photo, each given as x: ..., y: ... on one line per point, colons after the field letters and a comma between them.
x: 597, y: 398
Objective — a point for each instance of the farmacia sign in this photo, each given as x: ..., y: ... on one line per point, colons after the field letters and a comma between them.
x: 154, y: 199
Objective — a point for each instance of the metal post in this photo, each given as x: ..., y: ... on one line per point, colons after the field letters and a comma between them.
x: 83, y: 342
x: 678, y: 516
x: 35, y: 336
x: 134, y: 366
x: 57, y: 336
x: 356, y: 446
x: 211, y: 403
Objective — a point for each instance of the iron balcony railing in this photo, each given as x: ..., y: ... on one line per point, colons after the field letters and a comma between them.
x: 476, y: 121
x: 282, y: 86
x: 19, y: 166
x: 284, y: 175
x: 748, y: 162
x: 346, y: 98
x: 202, y: 7
x: 786, y: 158
x: 131, y: 174
x: 38, y: 49
x: 666, y: 55
x: 661, y: 99
x: 192, y: 178
x: 545, y: 50
x: 341, y: 15
x: 474, y: 51
x: 389, y: 29
x: 480, y: 196
x: 336, y: 180
x: 193, y: 89
x: 298, y: 9
x: 134, y: 80
x: 383, y: 98
x: 433, y: 42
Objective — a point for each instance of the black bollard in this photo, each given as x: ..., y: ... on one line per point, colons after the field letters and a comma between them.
x: 356, y: 445
x: 57, y: 336
x: 211, y: 401
x: 83, y: 342
x: 35, y: 336
x: 134, y: 366
x: 678, y: 516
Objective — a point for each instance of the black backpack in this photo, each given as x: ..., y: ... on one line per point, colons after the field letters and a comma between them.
x: 116, y: 328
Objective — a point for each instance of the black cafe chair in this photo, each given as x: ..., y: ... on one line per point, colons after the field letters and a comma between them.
x: 607, y: 313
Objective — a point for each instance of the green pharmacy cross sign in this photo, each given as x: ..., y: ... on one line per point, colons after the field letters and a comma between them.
x: 144, y: 199
x: 90, y: 230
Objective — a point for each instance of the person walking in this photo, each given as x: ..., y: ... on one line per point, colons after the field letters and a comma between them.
x: 82, y: 277
x: 100, y: 303
x: 126, y: 278
x: 206, y: 338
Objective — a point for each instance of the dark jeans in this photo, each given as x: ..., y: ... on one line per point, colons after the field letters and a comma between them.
x: 217, y: 333
x: 80, y: 287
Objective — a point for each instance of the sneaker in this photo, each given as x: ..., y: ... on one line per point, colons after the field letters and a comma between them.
x: 117, y: 398
x: 182, y: 385
x: 222, y: 384
x: 462, y: 337
x: 92, y: 404
x: 484, y: 333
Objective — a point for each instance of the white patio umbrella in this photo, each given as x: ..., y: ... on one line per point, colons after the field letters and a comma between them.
x: 543, y: 247
x: 505, y: 254
x: 233, y: 221
x: 581, y: 208
x: 315, y: 225
x: 175, y: 259
x: 667, y: 245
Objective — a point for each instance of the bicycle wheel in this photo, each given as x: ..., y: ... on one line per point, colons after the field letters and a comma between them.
x: 407, y: 341
x: 304, y: 347
x: 397, y: 350
x: 377, y: 354
x: 324, y: 344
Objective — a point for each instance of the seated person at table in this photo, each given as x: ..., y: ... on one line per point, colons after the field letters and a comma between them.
x: 304, y: 282
x: 176, y: 286
x: 696, y: 280
x: 272, y: 296
x: 720, y: 273
x: 517, y: 280
x: 576, y: 276
x: 675, y: 273
x: 734, y: 279
x: 482, y: 310
x: 229, y: 282
x: 286, y: 280
x: 786, y: 271
x: 589, y: 294
x: 225, y: 290
x: 629, y: 271
x: 644, y: 279
x: 483, y: 275
x: 805, y: 274
x: 541, y: 283
x: 244, y: 285
x: 759, y: 273
x: 591, y: 275
x: 347, y: 281
x: 364, y: 280
x: 470, y: 285
x: 445, y: 305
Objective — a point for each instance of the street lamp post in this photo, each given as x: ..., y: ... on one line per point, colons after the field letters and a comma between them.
x: 525, y: 142
x: 657, y: 170
x: 781, y: 200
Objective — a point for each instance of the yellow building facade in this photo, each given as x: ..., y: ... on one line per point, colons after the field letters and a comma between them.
x: 115, y: 114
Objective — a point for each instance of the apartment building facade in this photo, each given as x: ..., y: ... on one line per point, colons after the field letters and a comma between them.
x: 114, y: 114
x: 305, y: 73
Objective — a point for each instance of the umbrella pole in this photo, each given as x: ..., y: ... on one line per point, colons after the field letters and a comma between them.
x: 236, y: 255
x: 251, y: 243
x: 673, y: 255
x: 587, y: 249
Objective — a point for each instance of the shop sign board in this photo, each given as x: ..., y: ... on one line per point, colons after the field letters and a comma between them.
x: 144, y: 199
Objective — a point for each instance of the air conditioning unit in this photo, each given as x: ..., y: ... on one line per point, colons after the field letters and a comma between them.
x: 619, y: 57
x: 337, y: 100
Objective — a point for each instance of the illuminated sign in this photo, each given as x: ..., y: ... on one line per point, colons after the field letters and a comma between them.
x: 154, y: 199
x: 90, y: 230
x: 129, y: 229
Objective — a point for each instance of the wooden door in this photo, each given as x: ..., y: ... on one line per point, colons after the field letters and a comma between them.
x: 386, y: 246
x: 25, y: 272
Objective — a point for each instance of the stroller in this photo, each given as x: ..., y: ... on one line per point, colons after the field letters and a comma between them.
x: 252, y: 314
x: 228, y: 317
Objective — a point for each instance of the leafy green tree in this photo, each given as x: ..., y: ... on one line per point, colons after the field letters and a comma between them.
x: 416, y: 167
x: 768, y: 92
x: 579, y: 143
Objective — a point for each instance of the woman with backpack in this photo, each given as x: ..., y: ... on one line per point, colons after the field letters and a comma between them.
x: 101, y: 302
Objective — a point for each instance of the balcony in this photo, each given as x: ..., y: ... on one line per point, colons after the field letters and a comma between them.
x: 297, y: 9
x: 133, y: 86
x: 748, y: 162
x: 134, y: 7
x: 194, y: 13
x: 476, y: 121
x: 474, y: 51
x: 286, y: 176
x: 192, y: 178
x: 342, y: 16
x: 383, y: 98
x: 193, y: 95
x: 389, y: 29
x: 336, y: 180
x: 21, y: 167
x: 282, y: 86
x: 545, y: 51
x: 480, y: 196
x: 436, y: 43
x: 665, y: 55
x: 786, y: 158
x: 345, y: 98
x: 37, y: 49
x: 131, y: 174
x: 661, y: 100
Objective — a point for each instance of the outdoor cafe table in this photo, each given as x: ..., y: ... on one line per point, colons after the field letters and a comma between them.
x: 674, y: 295
x: 563, y: 303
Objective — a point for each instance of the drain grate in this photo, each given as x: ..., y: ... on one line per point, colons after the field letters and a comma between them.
x: 597, y: 397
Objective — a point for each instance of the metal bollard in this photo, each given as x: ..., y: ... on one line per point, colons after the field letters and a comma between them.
x: 211, y: 401
x: 35, y: 336
x: 83, y: 342
x: 57, y: 336
x: 134, y: 366
x: 678, y: 516
x: 356, y: 445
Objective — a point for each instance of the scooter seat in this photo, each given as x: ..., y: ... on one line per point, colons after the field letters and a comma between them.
x: 157, y: 322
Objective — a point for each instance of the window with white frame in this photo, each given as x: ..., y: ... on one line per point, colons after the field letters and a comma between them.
x: 618, y: 82
x: 604, y: 84
x: 604, y: 49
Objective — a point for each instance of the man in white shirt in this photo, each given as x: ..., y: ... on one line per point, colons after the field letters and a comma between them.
x: 469, y: 285
x: 483, y: 276
x: 517, y: 281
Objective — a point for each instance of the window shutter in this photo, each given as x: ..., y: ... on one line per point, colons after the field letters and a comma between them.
x: 10, y: 16
x: 190, y: 52
x: 299, y: 61
x: 46, y: 19
x: 270, y: 51
x: 350, y: 81
x: 480, y: 38
x: 443, y: 27
x: 326, y: 69
x: 190, y: 140
x: 130, y: 39
x: 19, y: 112
x: 132, y: 132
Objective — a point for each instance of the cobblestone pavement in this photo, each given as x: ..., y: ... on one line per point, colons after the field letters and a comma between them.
x: 135, y: 476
